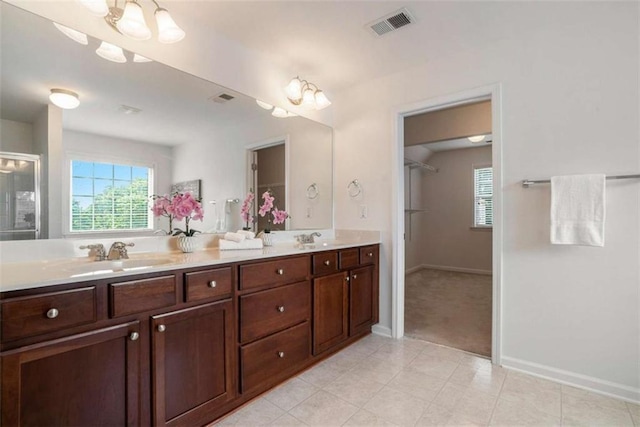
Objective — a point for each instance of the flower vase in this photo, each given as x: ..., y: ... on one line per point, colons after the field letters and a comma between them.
x: 267, y: 238
x: 188, y: 244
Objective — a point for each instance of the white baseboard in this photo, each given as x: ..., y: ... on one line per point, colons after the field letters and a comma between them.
x: 455, y: 269
x: 607, y: 388
x: 414, y: 269
x: 381, y: 330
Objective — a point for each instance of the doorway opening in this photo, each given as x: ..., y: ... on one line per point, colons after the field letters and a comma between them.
x: 446, y: 274
x: 448, y: 181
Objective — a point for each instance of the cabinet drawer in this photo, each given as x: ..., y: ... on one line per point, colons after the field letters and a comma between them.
x: 142, y: 295
x: 325, y: 263
x: 348, y: 258
x: 268, y: 360
x: 263, y: 313
x: 285, y: 270
x: 369, y: 254
x: 207, y: 284
x: 28, y: 316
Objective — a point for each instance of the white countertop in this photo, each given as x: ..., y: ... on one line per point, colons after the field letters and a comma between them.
x: 47, y: 272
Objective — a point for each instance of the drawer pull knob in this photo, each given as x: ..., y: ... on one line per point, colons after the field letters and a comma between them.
x: 133, y: 336
x: 52, y: 313
x: 355, y: 276
x: 281, y: 308
x: 370, y: 254
x: 280, y: 271
x: 212, y: 284
x: 327, y: 263
x: 162, y: 328
x: 281, y: 354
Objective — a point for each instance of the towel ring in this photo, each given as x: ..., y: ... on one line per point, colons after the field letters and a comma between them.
x: 354, y: 188
x: 312, y: 191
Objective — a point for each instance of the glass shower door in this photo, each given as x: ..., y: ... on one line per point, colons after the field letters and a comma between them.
x: 19, y: 196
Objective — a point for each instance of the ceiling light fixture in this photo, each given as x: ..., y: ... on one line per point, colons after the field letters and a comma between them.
x: 130, y: 20
x: 281, y: 113
x: 307, y: 94
x: 477, y: 138
x: 64, y: 98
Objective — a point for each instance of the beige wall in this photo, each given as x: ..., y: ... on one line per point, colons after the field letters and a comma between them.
x: 16, y: 137
x: 448, y: 239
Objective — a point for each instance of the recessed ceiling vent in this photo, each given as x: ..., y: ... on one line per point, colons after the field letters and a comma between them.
x: 391, y: 22
x: 125, y: 109
x: 221, y: 98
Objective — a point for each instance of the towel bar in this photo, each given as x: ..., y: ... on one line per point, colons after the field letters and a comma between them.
x: 528, y: 182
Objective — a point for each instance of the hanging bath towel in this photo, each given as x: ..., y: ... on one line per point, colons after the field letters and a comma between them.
x: 578, y: 210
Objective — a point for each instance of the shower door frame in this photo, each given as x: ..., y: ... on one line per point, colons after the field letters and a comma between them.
x: 35, y: 158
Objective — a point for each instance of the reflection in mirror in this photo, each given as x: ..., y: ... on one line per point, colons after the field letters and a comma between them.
x: 144, y: 115
x: 19, y: 196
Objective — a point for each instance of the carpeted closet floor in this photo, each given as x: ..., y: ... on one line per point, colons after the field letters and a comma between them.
x: 448, y: 308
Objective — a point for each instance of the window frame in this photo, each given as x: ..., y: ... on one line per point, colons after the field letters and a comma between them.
x: 68, y: 185
x: 474, y: 223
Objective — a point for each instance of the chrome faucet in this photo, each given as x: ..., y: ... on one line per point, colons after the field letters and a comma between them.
x: 118, y: 251
x: 97, y: 250
x: 307, y: 239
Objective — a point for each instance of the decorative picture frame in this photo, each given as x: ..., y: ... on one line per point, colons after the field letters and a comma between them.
x: 194, y: 187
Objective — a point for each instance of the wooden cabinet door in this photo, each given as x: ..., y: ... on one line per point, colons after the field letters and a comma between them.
x: 85, y: 379
x: 193, y: 363
x: 361, y: 300
x: 330, y: 311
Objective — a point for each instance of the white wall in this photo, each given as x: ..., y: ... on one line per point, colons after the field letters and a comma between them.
x: 569, y: 77
x: 117, y: 150
x: 413, y: 199
x: 16, y: 137
x: 448, y: 239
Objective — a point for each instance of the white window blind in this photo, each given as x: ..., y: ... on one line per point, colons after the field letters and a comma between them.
x: 483, y: 196
x: 106, y: 196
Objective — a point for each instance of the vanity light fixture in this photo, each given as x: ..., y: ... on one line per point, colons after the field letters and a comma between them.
x: 130, y: 20
x: 64, y: 98
x: 476, y: 139
x: 307, y: 94
x: 111, y: 53
x: 74, y: 35
x: 277, y: 111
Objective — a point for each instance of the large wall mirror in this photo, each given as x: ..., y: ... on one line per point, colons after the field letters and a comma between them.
x: 147, y: 116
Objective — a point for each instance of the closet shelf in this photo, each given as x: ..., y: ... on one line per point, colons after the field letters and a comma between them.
x: 412, y: 164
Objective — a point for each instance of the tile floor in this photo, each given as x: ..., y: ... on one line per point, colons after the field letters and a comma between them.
x: 384, y: 382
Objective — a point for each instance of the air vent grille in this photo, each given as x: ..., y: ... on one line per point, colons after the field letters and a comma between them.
x: 222, y: 97
x: 391, y: 22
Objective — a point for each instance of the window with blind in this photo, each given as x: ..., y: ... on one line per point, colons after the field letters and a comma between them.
x: 483, y: 196
x: 106, y: 196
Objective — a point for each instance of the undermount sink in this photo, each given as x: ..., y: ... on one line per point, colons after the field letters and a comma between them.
x: 101, y: 267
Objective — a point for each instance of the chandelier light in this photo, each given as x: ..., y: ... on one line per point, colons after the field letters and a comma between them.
x: 281, y: 113
x: 64, y: 98
x: 307, y: 94
x: 130, y: 21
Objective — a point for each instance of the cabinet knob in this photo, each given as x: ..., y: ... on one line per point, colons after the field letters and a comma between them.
x: 52, y: 313
x: 133, y: 336
x: 281, y: 308
x: 281, y: 354
x: 162, y: 328
x: 355, y: 276
x: 327, y: 262
x: 370, y: 254
x: 346, y: 278
x: 212, y: 284
x: 280, y: 271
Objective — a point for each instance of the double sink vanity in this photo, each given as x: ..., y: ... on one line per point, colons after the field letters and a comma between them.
x: 176, y: 339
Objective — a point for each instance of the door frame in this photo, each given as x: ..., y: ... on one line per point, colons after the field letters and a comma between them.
x: 490, y: 92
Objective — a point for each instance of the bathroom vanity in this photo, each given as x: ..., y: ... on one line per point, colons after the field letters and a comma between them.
x: 179, y: 345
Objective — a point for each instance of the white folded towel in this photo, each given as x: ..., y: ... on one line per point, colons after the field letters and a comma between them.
x: 247, y: 233
x: 234, y: 237
x: 578, y: 210
x: 226, y: 245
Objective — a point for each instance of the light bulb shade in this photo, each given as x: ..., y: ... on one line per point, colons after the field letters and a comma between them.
x: 290, y: 114
x: 111, y: 53
x: 294, y: 90
x: 74, y: 35
x: 132, y: 23
x: 264, y: 104
x: 321, y: 100
x: 97, y: 7
x: 64, y: 98
x: 168, y: 30
x: 279, y: 112
x: 475, y: 139
x: 140, y: 58
x: 308, y: 98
